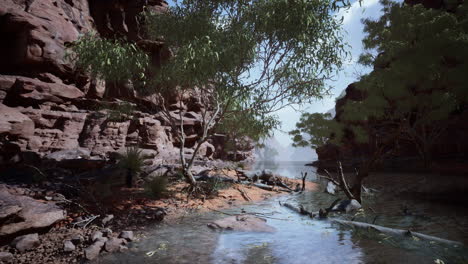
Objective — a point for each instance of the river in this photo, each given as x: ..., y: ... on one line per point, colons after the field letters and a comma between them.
x: 299, y: 239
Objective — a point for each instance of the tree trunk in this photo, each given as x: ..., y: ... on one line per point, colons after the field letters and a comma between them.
x: 189, y: 176
x: 356, y: 190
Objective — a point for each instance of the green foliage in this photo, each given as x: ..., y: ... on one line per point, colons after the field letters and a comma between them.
x: 292, y: 45
x: 157, y: 187
x: 248, y: 58
x: 212, y: 186
x: 315, y: 130
x: 420, y: 60
x: 112, y: 60
x: 131, y: 160
x: 425, y: 59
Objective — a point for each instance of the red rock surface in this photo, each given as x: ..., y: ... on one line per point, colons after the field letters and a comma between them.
x: 47, y: 106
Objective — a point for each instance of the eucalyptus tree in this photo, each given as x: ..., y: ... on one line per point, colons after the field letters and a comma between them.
x: 420, y: 60
x: 245, y: 59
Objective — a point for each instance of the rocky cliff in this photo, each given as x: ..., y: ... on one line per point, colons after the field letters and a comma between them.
x: 47, y: 106
x: 451, y: 146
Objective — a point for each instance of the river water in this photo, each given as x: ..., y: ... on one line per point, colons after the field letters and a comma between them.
x: 298, y: 239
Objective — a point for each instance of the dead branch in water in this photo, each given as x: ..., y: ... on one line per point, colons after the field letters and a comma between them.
x: 398, y: 232
x: 381, y: 229
x: 303, y: 176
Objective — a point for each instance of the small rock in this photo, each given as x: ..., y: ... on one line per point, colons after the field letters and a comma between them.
x: 122, y: 248
x: 128, y: 235
x: 68, y: 246
x: 107, y: 219
x: 96, y: 235
x: 6, y: 257
x: 107, y: 232
x: 93, y: 251
x: 347, y: 206
x: 26, y: 242
x: 331, y: 188
x: 101, y: 240
x: 77, y: 239
x: 113, y: 244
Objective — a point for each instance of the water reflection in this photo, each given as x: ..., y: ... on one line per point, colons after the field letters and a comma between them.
x: 298, y: 239
x: 290, y: 169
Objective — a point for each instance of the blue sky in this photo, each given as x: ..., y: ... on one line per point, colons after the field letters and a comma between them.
x: 353, y: 33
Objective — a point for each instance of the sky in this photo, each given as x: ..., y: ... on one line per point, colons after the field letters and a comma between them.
x: 353, y: 35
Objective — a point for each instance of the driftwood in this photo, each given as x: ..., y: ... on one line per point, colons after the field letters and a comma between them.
x: 382, y: 229
x: 270, y: 188
x: 303, y: 177
x: 244, y: 194
x: 299, y: 210
x: 397, y: 232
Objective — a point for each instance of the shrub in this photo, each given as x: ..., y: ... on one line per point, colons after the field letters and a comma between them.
x: 157, y: 187
x: 132, y: 162
x: 212, y: 186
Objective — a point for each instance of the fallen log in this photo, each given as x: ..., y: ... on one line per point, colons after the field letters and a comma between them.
x: 263, y: 186
x: 300, y: 210
x: 398, y: 232
x: 381, y: 229
x: 270, y: 188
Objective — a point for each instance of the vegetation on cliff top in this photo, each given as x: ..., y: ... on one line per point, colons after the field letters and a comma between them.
x: 245, y: 59
x: 420, y: 60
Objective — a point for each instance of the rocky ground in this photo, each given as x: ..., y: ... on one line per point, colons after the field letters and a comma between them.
x: 43, y: 224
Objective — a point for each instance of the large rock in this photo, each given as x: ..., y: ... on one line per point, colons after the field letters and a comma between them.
x: 243, y: 223
x: 28, y: 91
x: 71, y: 154
x: 46, y: 105
x: 6, y: 257
x: 32, y: 216
x: 347, y: 206
x: 26, y: 242
x: 13, y: 122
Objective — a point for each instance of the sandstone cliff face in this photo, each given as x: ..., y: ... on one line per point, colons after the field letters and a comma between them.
x: 47, y: 106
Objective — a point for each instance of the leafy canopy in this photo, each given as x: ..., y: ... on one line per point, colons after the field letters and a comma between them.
x: 250, y: 57
x: 420, y: 60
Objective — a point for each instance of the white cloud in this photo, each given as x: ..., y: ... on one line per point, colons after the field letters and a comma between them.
x: 356, y: 8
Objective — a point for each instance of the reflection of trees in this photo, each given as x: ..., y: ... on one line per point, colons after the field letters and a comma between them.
x: 267, y: 165
x: 260, y: 254
x: 378, y: 248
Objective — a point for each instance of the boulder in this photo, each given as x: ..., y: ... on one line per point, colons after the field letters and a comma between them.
x: 32, y: 216
x: 347, y: 206
x: 13, y: 122
x: 128, y: 235
x: 242, y: 223
x: 69, y: 154
x: 6, y: 257
x: 26, y: 242
x: 27, y: 91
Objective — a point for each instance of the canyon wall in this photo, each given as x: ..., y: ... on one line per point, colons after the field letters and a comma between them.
x: 46, y: 106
